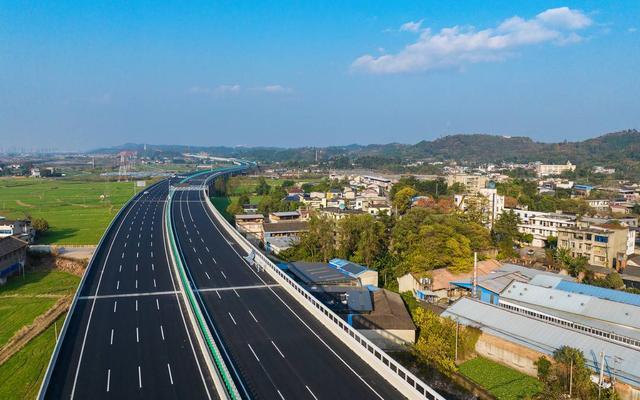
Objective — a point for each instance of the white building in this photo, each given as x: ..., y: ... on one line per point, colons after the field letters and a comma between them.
x: 554, y: 169
x: 487, y: 199
x: 542, y: 224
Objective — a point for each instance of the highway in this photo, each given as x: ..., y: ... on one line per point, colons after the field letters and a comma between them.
x: 128, y: 337
x: 276, y: 348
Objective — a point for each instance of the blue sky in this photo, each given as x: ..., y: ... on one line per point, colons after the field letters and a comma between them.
x: 76, y: 75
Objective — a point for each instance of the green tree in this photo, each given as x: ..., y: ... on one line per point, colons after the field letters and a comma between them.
x: 263, y: 187
x: 41, y: 225
x: 402, y: 200
x: 505, y: 233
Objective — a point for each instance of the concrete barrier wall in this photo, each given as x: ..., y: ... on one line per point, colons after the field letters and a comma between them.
x: 401, y: 378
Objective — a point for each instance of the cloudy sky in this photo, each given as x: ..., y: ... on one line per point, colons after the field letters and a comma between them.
x: 78, y: 76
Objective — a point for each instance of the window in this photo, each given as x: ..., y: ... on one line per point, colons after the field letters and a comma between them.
x: 601, y: 239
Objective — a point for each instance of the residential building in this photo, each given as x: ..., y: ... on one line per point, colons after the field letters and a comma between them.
x: 435, y: 286
x: 338, y: 213
x: 251, y: 226
x: 541, y: 224
x: 554, y: 169
x: 601, y: 205
x: 13, y: 254
x: 472, y: 183
x: 283, y: 216
x: 603, y: 245
x: 280, y: 236
x: 21, y: 229
x: 631, y: 222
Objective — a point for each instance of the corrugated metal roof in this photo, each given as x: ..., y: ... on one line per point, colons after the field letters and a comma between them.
x: 603, y: 293
x: 546, y: 338
x: 586, y: 306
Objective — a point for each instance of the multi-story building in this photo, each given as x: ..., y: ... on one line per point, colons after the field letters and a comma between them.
x: 472, y: 183
x: 487, y: 200
x: 598, y: 204
x: 603, y: 245
x: 542, y: 224
x: 554, y: 169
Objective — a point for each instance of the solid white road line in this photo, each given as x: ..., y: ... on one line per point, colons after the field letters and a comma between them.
x: 108, y: 379
x: 234, y: 321
x: 170, y: 376
x: 274, y: 345
x: 162, y: 332
x: 254, y: 353
x: 253, y: 316
x: 139, y: 378
x: 314, y: 396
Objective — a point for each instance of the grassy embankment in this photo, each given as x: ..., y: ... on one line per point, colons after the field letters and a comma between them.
x: 23, y: 299
x: 73, y: 207
x: 502, y: 382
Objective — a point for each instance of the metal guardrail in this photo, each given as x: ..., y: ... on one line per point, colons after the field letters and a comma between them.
x: 222, y: 370
x: 67, y: 320
x: 413, y: 387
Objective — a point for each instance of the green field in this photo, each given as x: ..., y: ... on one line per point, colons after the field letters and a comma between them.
x: 74, y: 208
x: 20, y: 303
x: 502, y: 382
x: 18, y: 312
x: 35, y: 283
x: 21, y: 375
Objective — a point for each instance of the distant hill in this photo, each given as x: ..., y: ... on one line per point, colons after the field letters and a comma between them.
x: 611, y: 148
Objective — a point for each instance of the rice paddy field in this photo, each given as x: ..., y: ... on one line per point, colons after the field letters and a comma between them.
x: 78, y: 210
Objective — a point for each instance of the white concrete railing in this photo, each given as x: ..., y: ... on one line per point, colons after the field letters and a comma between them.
x: 74, y: 302
x: 397, y: 375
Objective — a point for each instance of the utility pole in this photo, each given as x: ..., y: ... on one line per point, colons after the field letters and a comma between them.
x: 475, y: 274
x: 601, y: 377
x: 456, y: 356
x: 571, y: 377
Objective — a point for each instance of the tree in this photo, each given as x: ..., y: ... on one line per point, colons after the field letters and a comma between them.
x: 614, y: 280
x: 402, y: 200
x: 317, y: 244
x: 40, y: 225
x: 235, y: 208
x: 505, y: 233
x: 574, y: 265
x: 244, y: 199
x: 263, y: 187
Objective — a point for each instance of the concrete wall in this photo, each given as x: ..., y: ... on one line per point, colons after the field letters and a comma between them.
x: 391, y: 339
x: 508, y: 353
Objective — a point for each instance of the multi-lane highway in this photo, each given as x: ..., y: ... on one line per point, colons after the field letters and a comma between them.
x: 275, y: 348
x: 128, y: 336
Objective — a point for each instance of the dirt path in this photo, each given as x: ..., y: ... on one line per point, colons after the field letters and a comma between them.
x: 23, y: 204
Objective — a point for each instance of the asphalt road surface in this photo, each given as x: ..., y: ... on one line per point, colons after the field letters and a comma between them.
x: 277, y: 349
x: 128, y: 337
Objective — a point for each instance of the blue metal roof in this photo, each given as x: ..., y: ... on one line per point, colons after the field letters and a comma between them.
x: 347, y: 267
x: 600, y: 292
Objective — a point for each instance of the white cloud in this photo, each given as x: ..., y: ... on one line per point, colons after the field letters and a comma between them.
x: 411, y: 26
x: 457, y: 46
x: 228, y: 88
x: 632, y: 30
x: 273, y: 89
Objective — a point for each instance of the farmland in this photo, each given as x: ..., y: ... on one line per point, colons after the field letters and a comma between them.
x: 502, y: 382
x: 78, y: 211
